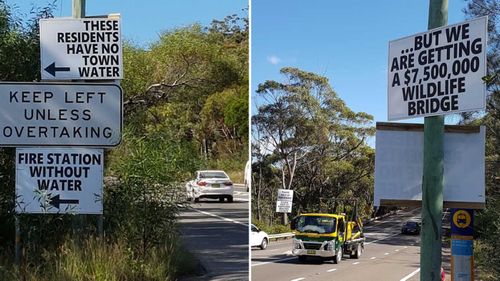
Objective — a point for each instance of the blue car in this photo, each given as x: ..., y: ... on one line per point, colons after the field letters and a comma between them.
x: 411, y: 227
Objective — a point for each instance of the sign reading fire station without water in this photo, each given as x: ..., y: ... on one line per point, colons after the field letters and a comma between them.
x: 59, y: 180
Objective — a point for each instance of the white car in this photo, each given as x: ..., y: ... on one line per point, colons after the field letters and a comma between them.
x: 258, y: 238
x: 212, y: 184
x: 248, y: 175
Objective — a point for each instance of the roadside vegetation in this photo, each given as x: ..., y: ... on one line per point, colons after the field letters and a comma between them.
x: 487, y: 221
x: 185, y: 108
x: 305, y: 138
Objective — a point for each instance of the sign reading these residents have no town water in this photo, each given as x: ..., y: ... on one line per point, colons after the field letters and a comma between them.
x: 438, y: 72
x: 88, y: 48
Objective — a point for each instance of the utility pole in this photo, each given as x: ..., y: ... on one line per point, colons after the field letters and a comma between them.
x: 78, y: 9
x: 433, y: 182
x: 78, y: 221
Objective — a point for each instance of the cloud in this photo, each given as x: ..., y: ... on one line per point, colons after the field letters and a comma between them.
x: 273, y: 59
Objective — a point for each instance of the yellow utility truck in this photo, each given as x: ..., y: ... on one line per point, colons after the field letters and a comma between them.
x: 328, y: 236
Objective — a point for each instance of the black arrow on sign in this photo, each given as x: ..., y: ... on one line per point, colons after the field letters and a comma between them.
x: 52, y: 69
x: 56, y: 201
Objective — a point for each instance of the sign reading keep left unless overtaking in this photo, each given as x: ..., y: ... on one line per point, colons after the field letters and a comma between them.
x: 81, y: 49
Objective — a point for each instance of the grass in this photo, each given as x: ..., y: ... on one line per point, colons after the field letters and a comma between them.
x: 273, y: 229
x: 94, y: 260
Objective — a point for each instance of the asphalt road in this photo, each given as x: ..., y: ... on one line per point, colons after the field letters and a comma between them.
x: 217, y: 233
x: 388, y: 256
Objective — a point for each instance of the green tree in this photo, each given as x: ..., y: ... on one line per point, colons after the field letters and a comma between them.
x: 487, y: 223
x: 316, y: 143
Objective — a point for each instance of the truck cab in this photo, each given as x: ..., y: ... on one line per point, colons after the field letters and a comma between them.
x: 328, y: 236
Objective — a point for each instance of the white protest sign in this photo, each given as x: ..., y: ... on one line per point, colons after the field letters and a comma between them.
x: 60, y: 114
x: 399, y: 165
x: 59, y: 180
x: 87, y: 48
x: 284, y: 201
x: 438, y: 72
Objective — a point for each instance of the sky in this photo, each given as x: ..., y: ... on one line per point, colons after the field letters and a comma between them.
x: 345, y: 41
x: 143, y: 21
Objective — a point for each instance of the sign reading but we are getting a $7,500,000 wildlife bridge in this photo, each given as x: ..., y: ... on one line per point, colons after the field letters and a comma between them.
x: 59, y: 180
x: 438, y: 72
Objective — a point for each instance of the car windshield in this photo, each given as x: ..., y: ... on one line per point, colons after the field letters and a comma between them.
x: 411, y: 224
x: 316, y: 224
x: 217, y: 175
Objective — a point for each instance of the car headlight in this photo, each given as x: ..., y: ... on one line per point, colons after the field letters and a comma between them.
x: 330, y: 245
x: 297, y: 244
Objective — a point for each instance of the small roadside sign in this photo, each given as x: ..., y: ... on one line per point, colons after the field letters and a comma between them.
x: 87, y: 48
x: 284, y: 201
x: 438, y: 72
x: 60, y: 114
x: 462, y: 222
x: 59, y: 180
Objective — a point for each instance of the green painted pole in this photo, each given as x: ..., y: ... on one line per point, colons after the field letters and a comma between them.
x: 78, y: 9
x: 78, y: 222
x: 433, y: 182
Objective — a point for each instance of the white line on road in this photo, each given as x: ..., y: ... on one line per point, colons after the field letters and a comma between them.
x: 273, y: 261
x: 331, y: 270
x: 354, y: 263
x: 372, y: 258
x: 386, y: 254
x: 298, y: 279
x: 410, y: 275
x: 397, y: 250
x: 219, y: 217
x: 367, y: 243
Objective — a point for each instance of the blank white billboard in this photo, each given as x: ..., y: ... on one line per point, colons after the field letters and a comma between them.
x: 399, y: 165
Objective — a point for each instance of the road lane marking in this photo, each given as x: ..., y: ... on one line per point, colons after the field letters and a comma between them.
x: 354, y: 263
x: 386, y: 254
x: 397, y: 250
x: 367, y: 243
x: 298, y: 279
x: 410, y: 275
x: 372, y: 258
x: 268, y: 262
x: 331, y: 270
x: 406, y: 247
x: 219, y: 217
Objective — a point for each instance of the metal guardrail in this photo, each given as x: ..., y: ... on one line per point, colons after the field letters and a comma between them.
x: 281, y: 236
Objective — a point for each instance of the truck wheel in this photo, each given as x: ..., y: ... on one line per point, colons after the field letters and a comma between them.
x: 357, y: 253
x: 338, y: 256
x: 196, y: 200
x: 221, y: 199
x: 263, y: 244
x: 302, y: 258
x: 230, y: 199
